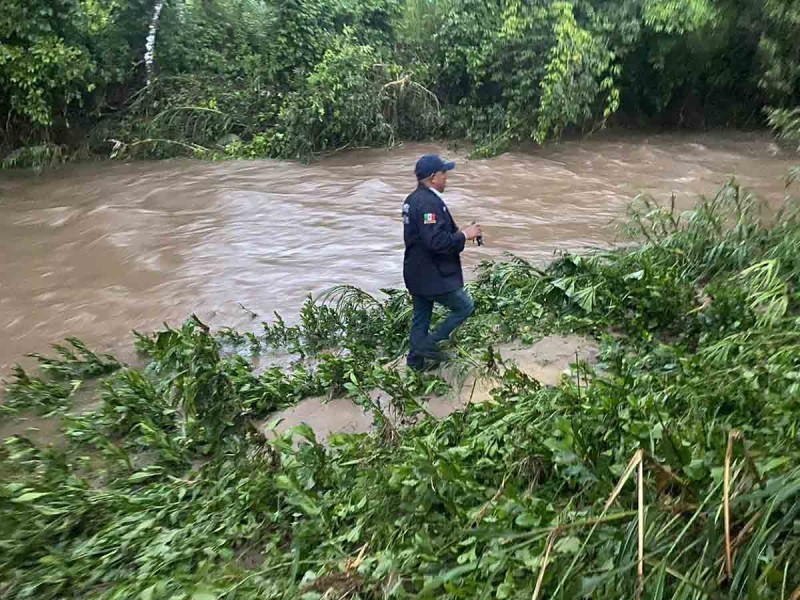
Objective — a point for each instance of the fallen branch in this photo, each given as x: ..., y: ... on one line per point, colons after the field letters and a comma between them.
x: 640, y: 568
x: 247, y: 310
x: 726, y: 502
x: 539, y: 580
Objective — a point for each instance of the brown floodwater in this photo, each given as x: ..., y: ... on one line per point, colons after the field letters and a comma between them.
x: 97, y: 250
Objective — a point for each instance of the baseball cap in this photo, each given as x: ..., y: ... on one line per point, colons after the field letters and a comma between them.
x: 430, y: 164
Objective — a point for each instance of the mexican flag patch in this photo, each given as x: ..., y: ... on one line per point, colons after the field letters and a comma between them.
x: 429, y: 219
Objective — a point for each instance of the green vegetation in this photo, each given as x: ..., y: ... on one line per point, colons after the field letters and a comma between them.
x: 285, y: 78
x: 64, y: 375
x: 685, y: 439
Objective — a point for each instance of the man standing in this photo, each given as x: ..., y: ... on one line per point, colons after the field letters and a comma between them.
x: 432, y: 265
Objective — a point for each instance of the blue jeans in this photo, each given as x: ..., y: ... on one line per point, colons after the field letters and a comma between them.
x: 424, y: 343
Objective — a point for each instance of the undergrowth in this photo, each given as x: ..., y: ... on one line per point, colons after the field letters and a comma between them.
x: 671, y: 471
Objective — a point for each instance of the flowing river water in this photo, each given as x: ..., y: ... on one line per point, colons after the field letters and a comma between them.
x: 97, y: 250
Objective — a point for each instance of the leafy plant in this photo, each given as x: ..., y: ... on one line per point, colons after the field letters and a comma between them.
x: 63, y: 376
x: 37, y: 393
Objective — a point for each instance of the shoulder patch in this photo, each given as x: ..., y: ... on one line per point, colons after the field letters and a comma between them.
x: 429, y: 219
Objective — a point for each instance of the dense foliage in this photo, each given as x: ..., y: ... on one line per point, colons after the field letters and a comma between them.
x: 669, y: 470
x: 290, y: 78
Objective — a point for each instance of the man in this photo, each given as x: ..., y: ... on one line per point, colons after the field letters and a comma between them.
x: 432, y: 265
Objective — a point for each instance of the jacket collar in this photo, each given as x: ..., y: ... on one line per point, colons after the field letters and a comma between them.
x: 431, y: 191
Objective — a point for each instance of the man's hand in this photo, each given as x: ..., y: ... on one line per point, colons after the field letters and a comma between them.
x: 472, y: 232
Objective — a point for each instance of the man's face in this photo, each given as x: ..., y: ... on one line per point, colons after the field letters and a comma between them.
x: 439, y: 181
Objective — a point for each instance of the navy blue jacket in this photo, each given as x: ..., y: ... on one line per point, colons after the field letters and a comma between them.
x: 432, y: 265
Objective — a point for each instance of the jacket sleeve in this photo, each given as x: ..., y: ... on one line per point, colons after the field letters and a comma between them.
x: 435, y: 231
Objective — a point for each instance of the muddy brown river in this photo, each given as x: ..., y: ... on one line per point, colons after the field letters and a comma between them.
x: 97, y: 250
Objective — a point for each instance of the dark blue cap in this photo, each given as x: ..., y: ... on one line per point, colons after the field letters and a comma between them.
x: 430, y: 164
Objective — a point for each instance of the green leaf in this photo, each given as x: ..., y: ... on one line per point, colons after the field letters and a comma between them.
x: 306, y: 432
x: 148, y: 593
x: 528, y: 520
x: 30, y: 497
x: 568, y: 545
x: 636, y: 275
x: 450, y: 575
